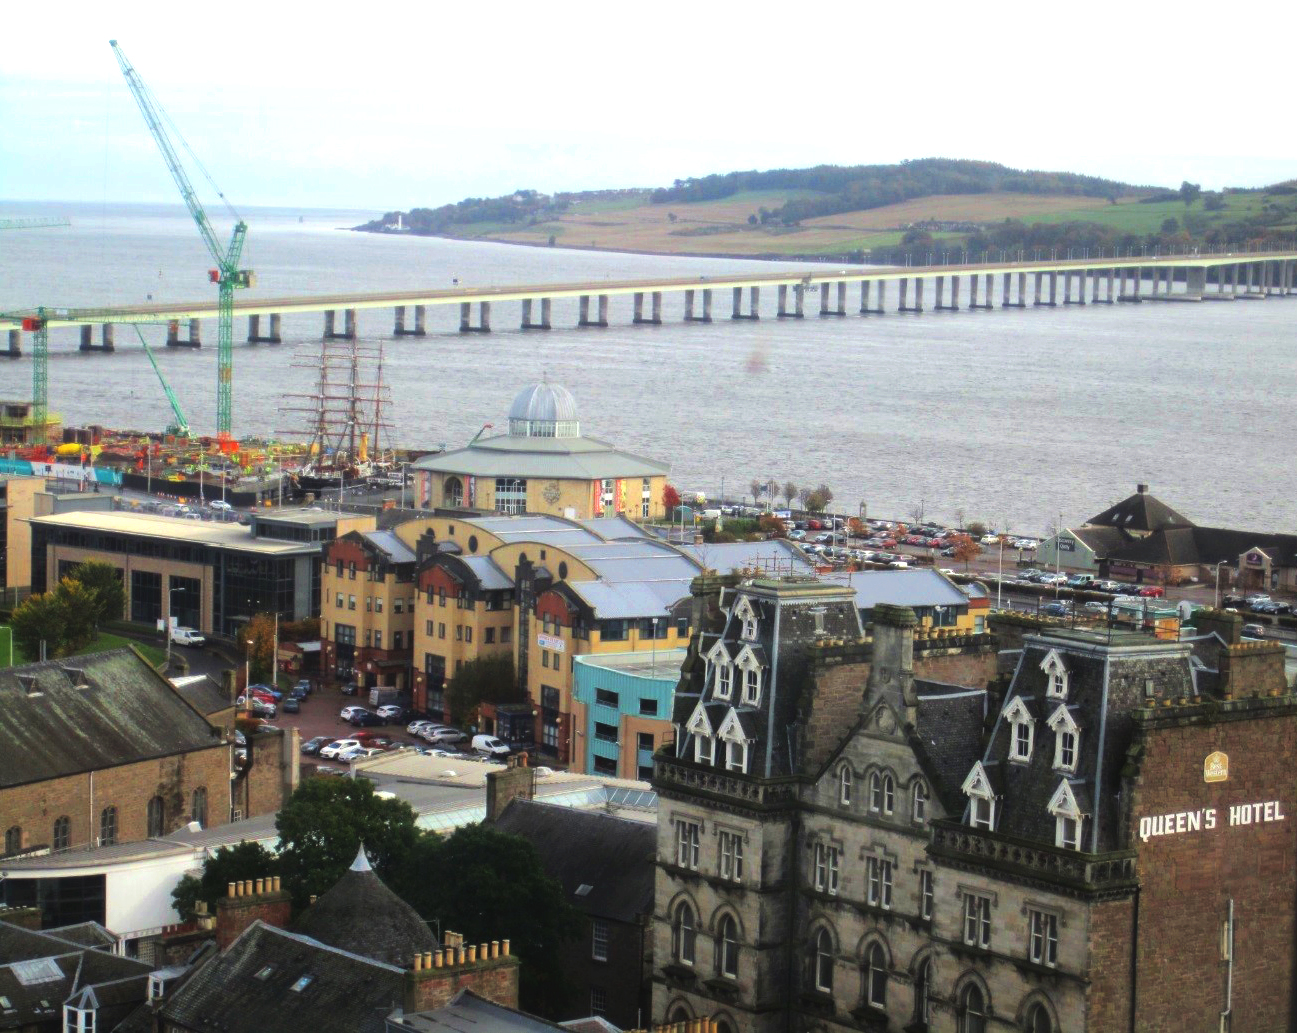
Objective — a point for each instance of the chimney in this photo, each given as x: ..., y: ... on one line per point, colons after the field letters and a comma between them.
x: 517, y: 781
x: 1141, y: 489
x: 891, y: 673
x: 247, y: 901
x: 1253, y: 669
x: 490, y: 970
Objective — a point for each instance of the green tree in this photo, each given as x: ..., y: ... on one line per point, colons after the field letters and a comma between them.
x: 229, y: 864
x: 976, y: 529
x: 489, y: 885
x: 1213, y: 202
x: 1189, y: 192
x: 105, y: 582
x: 487, y: 679
x: 818, y: 499
x: 78, y: 605
x: 39, y: 619
x: 1171, y: 225
x: 323, y: 824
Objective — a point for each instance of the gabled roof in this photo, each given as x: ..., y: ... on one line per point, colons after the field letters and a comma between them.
x: 613, y: 856
x: 1140, y: 512
x: 921, y: 588
x: 389, y: 545
x: 947, y: 738
x: 128, y: 713
x: 1064, y: 801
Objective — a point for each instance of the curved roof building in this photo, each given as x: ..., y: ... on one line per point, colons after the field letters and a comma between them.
x: 543, y: 465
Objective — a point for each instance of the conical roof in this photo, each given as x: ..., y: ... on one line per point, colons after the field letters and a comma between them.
x: 1140, y: 513
x: 361, y: 915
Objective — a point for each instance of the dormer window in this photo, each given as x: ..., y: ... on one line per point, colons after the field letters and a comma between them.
x: 704, y: 749
x: 1055, y: 675
x: 701, y: 730
x: 724, y: 679
x: 1069, y: 821
x: 981, y: 798
x: 752, y: 686
x: 919, y: 803
x: 1066, y: 740
x: 1022, y: 729
x: 78, y: 1020
x: 743, y: 612
x: 736, y: 756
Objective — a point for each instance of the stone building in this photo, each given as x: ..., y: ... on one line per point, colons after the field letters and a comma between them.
x: 869, y: 846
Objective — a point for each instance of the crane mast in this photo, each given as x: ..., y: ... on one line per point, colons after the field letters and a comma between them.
x: 227, y: 275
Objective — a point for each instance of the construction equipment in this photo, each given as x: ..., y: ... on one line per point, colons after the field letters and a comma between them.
x: 180, y: 428
x: 227, y: 275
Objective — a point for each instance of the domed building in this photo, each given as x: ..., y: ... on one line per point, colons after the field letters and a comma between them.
x: 543, y: 465
x: 361, y: 915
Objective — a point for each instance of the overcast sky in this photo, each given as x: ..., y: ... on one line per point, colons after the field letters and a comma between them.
x: 388, y: 106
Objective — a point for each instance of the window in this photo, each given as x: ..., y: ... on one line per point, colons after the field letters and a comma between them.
x: 441, y: 596
x: 339, y: 602
x: 736, y: 756
x: 441, y: 630
x: 644, y: 742
x: 750, y: 628
x: 78, y: 1020
x: 919, y: 803
x: 882, y: 792
x: 468, y: 633
x: 727, y: 948
x: 687, y: 840
x: 925, y: 894
x: 844, y: 785
x: 827, y: 865
x: 378, y: 640
x: 452, y: 492
x: 1068, y: 819
x: 683, y: 935
x: 598, y: 1000
x: 398, y: 639
x: 731, y: 856
x: 648, y: 707
x: 1022, y: 741
x: 1065, y: 751
x: 972, y: 1010
x: 599, y: 939
x: 752, y: 686
x: 922, y: 990
x: 338, y: 568
x: 351, y: 602
x: 369, y: 604
x: 605, y: 732
x: 378, y: 604
x: 489, y: 634
x: 369, y: 638
x: 1067, y: 832
x: 108, y: 826
x: 876, y: 976
x: 510, y: 495
x: 156, y: 816
x: 1038, y: 1020
x: 62, y: 833
x: 606, y: 698
x: 351, y: 571
x: 459, y: 637
x: 1056, y: 675
x: 506, y: 636
x: 198, y: 806
x: 398, y: 605
x: 977, y: 920
x: 880, y: 882
x: 822, y: 961
x: 724, y: 679
x: 704, y: 749
x: 1042, y: 944
x: 13, y: 839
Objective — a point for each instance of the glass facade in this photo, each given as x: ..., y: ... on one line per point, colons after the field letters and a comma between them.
x: 146, y: 597
x: 186, y: 594
x: 510, y: 495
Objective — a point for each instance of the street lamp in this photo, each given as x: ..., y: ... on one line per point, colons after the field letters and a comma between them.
x: 1215, y: 605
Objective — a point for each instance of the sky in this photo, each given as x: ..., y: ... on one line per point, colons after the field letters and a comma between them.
x: 388, y: 106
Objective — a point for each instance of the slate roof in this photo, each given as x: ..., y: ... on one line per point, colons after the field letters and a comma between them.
x: 613, y: 856
x: 389, y: 545
x: 249, y: 988
x: 1140, y: 512
x: 88, y: 934
x: 128, y: 713
x: 1102, y: 541
x: 947, y: 737
x: 203, y: 694
x: 467, y: 1011
x: 360, y: 914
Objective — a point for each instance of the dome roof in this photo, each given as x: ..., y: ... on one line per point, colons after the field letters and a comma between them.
x: 544, y: 410
x: 361, y: 915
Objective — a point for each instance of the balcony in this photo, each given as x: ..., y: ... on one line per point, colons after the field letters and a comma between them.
x: 673, y: 774
x: 1092, y: 873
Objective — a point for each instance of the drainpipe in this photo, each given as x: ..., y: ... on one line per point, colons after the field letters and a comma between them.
x: 1226, y: 1017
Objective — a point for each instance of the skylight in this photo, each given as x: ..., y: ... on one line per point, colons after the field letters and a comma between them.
x: 302, y: 984
x: 584, y: 889
x: 265, y: 973
x: 42, y: 970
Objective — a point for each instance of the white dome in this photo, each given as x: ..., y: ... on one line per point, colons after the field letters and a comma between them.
x: 544, y: 411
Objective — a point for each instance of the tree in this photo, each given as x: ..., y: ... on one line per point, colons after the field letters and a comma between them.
x: 323, y: 824
x: 486, y: 679
x: 966, y: 549
x: 1213, y: 202
x: 670, y: 498
x: 39, y: 619
x: 487, y: 884
x: 773, y: 527
x: 247, y: 860
x: 1189, y: 192
x: 916, y: 512
x: 757, y: 488
x: 105, y: 582
x: 959, y: 518
x: 790, y: 492
x: 817, y: 501
x: 976, y: 529
x: 78, y: 605
x: 1170, y: 225
x: 257, y: 643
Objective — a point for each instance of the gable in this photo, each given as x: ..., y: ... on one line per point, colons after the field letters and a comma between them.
x: 1017, y: 711
x: 1064, y: 801
x: 977, y: 783
x: 1061, y: 720
x: 698, y: 723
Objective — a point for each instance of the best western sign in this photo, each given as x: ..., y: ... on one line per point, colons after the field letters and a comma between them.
x: 1215, y: 768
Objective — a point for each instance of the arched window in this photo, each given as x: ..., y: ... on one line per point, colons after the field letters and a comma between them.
x: 1038, y: 1020
x: 677, y: 1014
x: 844, y: 785
x: 723, y: 1026
x: 972, y: 1010
x: 453, y: 492
x: 684, y: 932
x: 876, y: 976
x: 108, y: 826
x: 13, y: 839
x: 882, y: 793
x: 822, y: 961
x: 62, y: 832
x: 919, y: 803
x: 198, y: 810
x: 922, y: 991
x: 156, y: 816
x: 727, y: 947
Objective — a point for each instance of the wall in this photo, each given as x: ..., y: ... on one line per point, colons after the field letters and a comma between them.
x: 20, y: 499
x: 273, y: 775
x: 127, y: 562
x: 495, y: 979
x: 1188, y: 878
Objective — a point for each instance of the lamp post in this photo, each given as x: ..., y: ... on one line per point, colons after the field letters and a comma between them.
x: 654, y: 668
x: 1215, y: 602
x: 171, y: 591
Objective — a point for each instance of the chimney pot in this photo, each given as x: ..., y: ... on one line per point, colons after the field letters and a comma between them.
x: 472, y: 953
x: 504, y: 947
x: 418, y: 963
x: 495, y: 948
x: 462, y: 955
x: 438, y: 959
x: 261, y: 886
x: 229, y: 892
x: 314, y: 898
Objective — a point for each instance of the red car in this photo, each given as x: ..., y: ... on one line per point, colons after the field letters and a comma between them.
x: 1152, y: 591
x: 814, y: 525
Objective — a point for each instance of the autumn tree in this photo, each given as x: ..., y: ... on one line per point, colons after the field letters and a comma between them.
x: 976, y: 529
x: 966, y: 549
x: 772, y: 527
x: 817, y: 499
x: 670, y: 498
x: 256, y: 641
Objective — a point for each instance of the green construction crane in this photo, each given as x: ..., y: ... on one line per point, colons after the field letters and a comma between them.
x: 227, y: 275
x: 181, y: 427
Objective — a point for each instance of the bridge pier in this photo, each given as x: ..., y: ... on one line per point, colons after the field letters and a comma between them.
x: 941, y: 305
x: 656, y: 317
x: 754, y: 306
x: 841, y: 308
x: 1006, y: 289
x: 706, y: 317
x: 1080, y: 288
x: 15, y: 349
x: 799, y: 301
x: 194, y: 340
x: 583, y: 316
x: 466, y: 318
x: 987, y: 281
x: 398, y: 327
x: 348, y: 325
x: 105, y: 338
x: 527, y: 323
x: 1250, y: 288
x: 917, y: 307
x: 865, y: 290
x: 254, y: 331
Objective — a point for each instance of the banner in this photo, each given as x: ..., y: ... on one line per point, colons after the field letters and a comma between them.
x: 618, y: 500
x: 63, y: 471
x: 472, y: 493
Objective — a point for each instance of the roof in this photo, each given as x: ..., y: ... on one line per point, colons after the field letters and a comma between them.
x: 202, y: 693
x: 664, y: 663
x: 776, y: 553
x: 1102, y: 541
x: 490, y: 576
x: 576, y: 458
x: 231, y: 537
x: 1140, y: 512
x: 947, y: 737
x: 467, y: 1011
x: 126, y: 712
x: 389, y: 545
x: 544, y: 403
x: 613, y: 857
x: 921, y: 588
x: 361, y: 914
x: 250, y: 988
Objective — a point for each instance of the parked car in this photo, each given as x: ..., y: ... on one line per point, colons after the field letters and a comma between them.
x: 346, y: 712
x: 1233, y: 600
x: 349, y: 689
x: 303, y: 685
x: 1080, y: 581
x: 1056, y: 609
x: 1254, y: 630
x: 1097, y: 607
x: 221, y: 505
x: 182, y: 636
x: 1152, y: 591
x: 257, y: 707
x: 312, y: 747
x: 299, y: 693
x: 443, y: 736
x: 989, y: 539
x: 268, y: 690
x: 1104, y: 586
x: 796, y: 536
x: 331, y: 751
x: 415, y: 727
x: 1051, y: 579
x: 365, y: 719
x: 292, y: 705
x: 899, y: 565
x: 391, y: 712
x: 490, y: 745
x: 351, y: 753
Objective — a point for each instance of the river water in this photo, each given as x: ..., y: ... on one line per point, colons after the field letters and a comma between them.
x: 1015, y: 417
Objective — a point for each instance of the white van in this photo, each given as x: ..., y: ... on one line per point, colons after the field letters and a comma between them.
x: 186, y: 637
x: 490, y: 745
